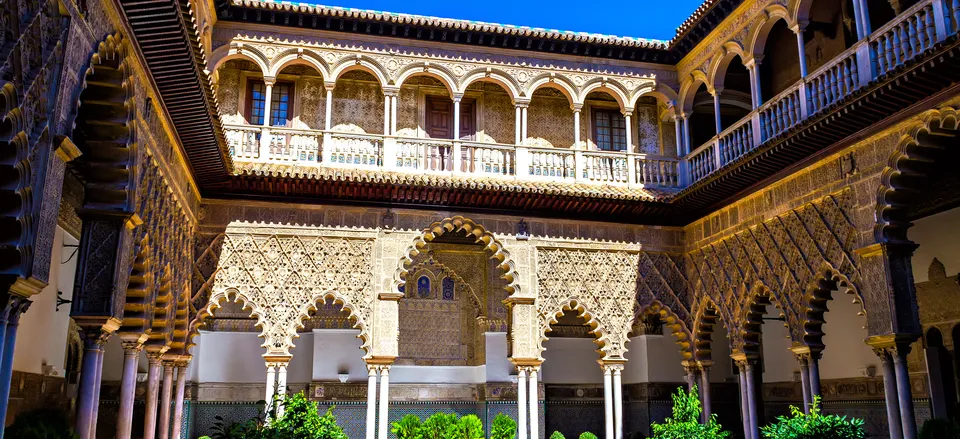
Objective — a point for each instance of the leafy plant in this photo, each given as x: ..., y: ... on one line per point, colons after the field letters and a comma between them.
x: 556, y: 435
x: 503, y: 427
x: 407, y: 427
x: 301, y: 419
x: 587, y: 435
x: 440, y: 426
x: 814, y: 425
x: 685, y: 422
x: 939, y: 429
x: 41, y: 424
x: 470, y: 427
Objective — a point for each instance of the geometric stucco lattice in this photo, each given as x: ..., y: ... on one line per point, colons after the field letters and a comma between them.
x: 281, y: 278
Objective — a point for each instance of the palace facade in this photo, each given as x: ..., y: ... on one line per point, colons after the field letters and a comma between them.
x: 206, y: 202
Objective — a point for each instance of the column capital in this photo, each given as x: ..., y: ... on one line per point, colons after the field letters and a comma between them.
x: 133, y: 342
x: 391, y: 91
x: 154, y: 357
x: 96, y: 338
x: 277, y: 360
x: 525, y: 103
x: 610, y: 366
x: 13, y: 307
x: 269, y: 80
x: 329, y: 85
x: 627, y: 111
x: 576, y: 108
x: 800, y: 26
x: 457, y: 97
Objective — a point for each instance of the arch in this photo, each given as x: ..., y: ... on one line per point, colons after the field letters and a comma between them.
x: 704, y: 321
x: 460, y: 224
x: 758, y: 37
x: 752, y: 319
x: 360, y: 62
x: 676, y: 324
x: 447, y: 271
x: 928, y: 138
x: 440, y: 73
x: 232, y: 51
x: 559, y: 83
x: 205, y: 312
x: 573, y: 304
x: 338, y: 299
x: 662, y: 92
x: 718, y: 71
x: 299, y: 56
x: 493, y: 75
x: 613, y: 88
x: 140, y: 300
x: 688, y: 90
x: 815, y: 300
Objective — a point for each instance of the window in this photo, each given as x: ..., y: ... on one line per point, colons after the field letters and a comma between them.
x: 281, y: 103
x: 609, y: 130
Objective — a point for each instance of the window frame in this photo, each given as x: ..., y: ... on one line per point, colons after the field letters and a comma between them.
x: 248, y: 102
x: 595, y: 128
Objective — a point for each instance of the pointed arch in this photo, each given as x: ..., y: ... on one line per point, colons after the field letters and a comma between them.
x: 609, y: 86
x: 557, y: 82
x: 597, y: 329
x: 457, y: 224
x: 360, y: 62
x: 706, y: 318
x: 758, y: 298
x: 353, y: 315
x: 677, y: 326
x: 299, y: 56
x: 216, y: 300
x: 815, y: 300
x: 493, y: 75
x: 438, y: 72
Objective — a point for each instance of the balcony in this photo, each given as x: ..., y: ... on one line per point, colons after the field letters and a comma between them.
x: 915, y: 30
x: 376, y: 152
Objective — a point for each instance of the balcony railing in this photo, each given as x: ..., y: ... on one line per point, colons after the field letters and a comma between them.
x: 443, y: 156
x: 915, y: 30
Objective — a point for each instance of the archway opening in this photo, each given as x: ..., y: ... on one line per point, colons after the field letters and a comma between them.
x: 572, y: 379
x: 943, y: 391
x: 830, y: 31
x: 358, y: 103
x: 780, y: 65
x: 735, y: 98
x: 882, y: 11
x: 550, y: 119
x: 493, y: 114
x: 703, y: 120
x: 767, y: 339
x: 606, y: 127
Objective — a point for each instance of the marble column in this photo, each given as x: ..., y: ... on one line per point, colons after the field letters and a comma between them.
x: 15, y: 307
x: 798, y: 29
x: 716, y: 110
x: 890, y: 394
x: 805, y: 382
x: 752, y: 401
x: 904, y: 393
x: 677, y: 127
x: 705, y: 393
x: 744, y: 408
x: 608, y: 402
x: 386, y: 115
x: 618, y: 401
x: 371, y: 402
x: 383, y: 426
x: 166, y: 395
x: 456, y: 117
x: 153, y: 392
x: 522, y: 403
x: 87, y: 393
x: 393, y: 113
x: 516, y: 124
x: 128, y: 386
x: 271, y: 389
x: 178, y: 401
x: 576, y: 127
x: 328, y: 107
x: 281, y: 386
x: 534, y: 404
x: 686, y: 136
x: 814, y: 365
x: 628, y: 122
x: 691, y: 376
x: 99, y: 382
x: 268, y: 98
x: 523, y: 123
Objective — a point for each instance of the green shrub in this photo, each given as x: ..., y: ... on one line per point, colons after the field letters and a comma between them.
x: 41, y: 424
x: 939, y: 429
x: 685, y: 422
x: 556, y: 435
x: 814, y: 425
x: 503, y: 427
x: 587, y: 435
x: 407, y: 427
x: 301, y: 419
x: 470, y: 427
x: 440, y: 426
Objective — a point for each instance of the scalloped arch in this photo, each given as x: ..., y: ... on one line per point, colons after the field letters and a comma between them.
x: 748, y: 339
x: 230, y: 294
x: 706, y: 318
x: 573, y: 304
x: 815, y: 300
x: 353, y: 315
x: 676, y: 324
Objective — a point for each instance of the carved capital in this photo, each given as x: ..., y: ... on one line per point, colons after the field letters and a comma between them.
x: 13, y: 307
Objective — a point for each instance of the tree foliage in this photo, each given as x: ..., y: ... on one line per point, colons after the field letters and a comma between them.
x: 556, y: 435
x: 685, y: 422
x: 41, y: 424
x: 503, y: 427
x: 814, y: 425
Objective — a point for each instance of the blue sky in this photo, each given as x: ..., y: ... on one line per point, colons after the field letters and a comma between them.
x: 656, y: 19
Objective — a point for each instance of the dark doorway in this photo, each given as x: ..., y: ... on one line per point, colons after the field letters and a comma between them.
x: 439, y: 123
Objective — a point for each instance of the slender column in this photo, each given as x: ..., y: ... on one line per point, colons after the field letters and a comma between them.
x: 166, y: 395
x: 686, y: 135
x: 268, y: 98
x: 814, y: 364
x: 523, y: 124
x: 744, y: 409
x: 705, y: 392
x: 522, y: 403
x: 862, y: 18
x: 15, y: 306
x: 627, y: 116
x: 576, y: 127
x: 371, y: 402
x: 936, y: 382
x: 753, y: 68
x: 904, y: 393
x: 805, y: 382
x: 691, y: 377
x: 178, y: 400
x: 618, y: 401
x: 328, y: 107
x: 281, y: 385
x: 271, y: 382
x: 393, y: 113
x: 517, y: 123
x: 716, y: 110
x: 128, y: 386
x: 89, y: 387
x: 608, y: 402
x: 890, y: 393
x: 384, y: 401
x: 534, y: 404
x: 798, y: 29
x: 386, y: 115
x: 752, y: 401
x: 456, y: 117
x: 153, y: 391
x: 677, y: 126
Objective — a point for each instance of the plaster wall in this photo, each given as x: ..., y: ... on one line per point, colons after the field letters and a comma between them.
x: 42, y: 335
x: 650, y: 358
x: 846, y: 354
x: 337, y: 351
x: 779, y: 363
x: 938, y: 236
